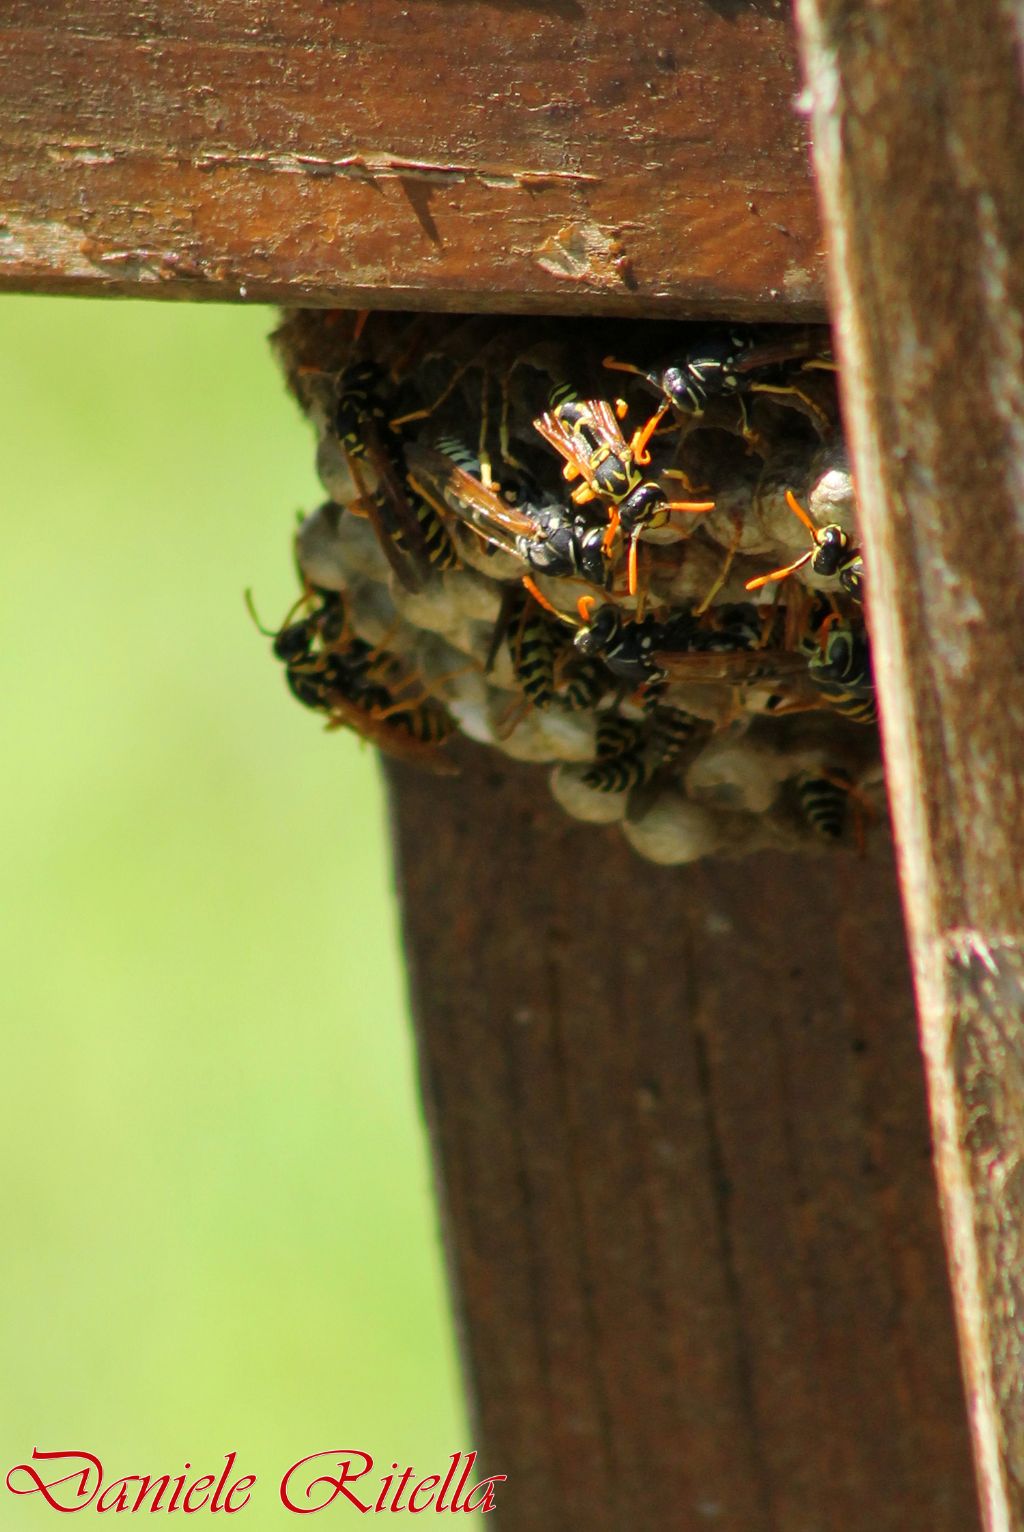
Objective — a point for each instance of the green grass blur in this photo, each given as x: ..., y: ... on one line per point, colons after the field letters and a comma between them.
x: 219, y: 1223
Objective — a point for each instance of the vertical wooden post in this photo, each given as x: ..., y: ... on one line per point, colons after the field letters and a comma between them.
x: 685, y: 1169
x: 918, y: 129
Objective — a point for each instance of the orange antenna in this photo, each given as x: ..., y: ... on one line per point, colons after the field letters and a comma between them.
x: 783, y: 574
x: 691, y: 507
x: 540, y: 598
x: 801, y: 514
x: 638, y: 446
x: 585, y: 606
x: 615, y: 366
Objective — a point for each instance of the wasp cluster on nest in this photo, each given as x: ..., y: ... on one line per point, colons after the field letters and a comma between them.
x: 624, y: 550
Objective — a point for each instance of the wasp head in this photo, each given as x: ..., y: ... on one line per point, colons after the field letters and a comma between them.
x: 599, y: 631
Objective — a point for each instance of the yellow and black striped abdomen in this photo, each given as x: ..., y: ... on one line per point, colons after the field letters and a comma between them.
x: 532, y: 648
x: 622, y: 760
x: 823, y: 803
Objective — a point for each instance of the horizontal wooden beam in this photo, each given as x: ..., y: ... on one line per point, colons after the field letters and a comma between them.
x: 622, y: 157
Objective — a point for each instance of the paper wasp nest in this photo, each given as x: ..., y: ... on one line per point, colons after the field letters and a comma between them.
x: 626, y: 552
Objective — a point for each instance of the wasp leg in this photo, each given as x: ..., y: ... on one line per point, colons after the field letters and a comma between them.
x: 632, y: 567
x: 814, y: 408
x: 429, y: 409
x: 613, y: 527
x: 723, y: 573
x: 486, y: 477
x: 504, y: 443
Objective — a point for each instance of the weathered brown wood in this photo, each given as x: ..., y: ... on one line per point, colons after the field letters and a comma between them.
x: 684, y: 1160
x: 620, y: 156
x: 678, y: 1115
x: 918, y: 119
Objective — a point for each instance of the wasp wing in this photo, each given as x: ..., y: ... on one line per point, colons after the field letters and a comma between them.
x: 389, y: 737
x: 573, y: 449
x: 742, y: 667
x: 393, y: 518
x: 476, y: 505
x: 774, y: 351
x: 608, y: 426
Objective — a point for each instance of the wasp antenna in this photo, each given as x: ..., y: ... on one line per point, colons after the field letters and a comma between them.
x: 641, y: 439
x: 251, y: 607
x: 542, y: 600
x: 691, y: 507
x: 585, y: 605
x: 273, y: 632
x: 780, y: 574
x: 615, y: 366
x: 801, y: 514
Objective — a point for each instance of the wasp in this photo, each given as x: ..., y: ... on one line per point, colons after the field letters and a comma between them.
x: 627, y: 648
x: 294, y: 641
x: 622, y: 757
x: 330, y: 670
x: 435, y: 544
x: 629, y: 754
x: 831, y: 554
x: 407, y: 530
x: 672, y: 729
x: 584, y: 684
x: 587, y: 434
x: 545, y: 536
x: 408, y: 728
x: 823, y: 802
x: 840, y: 667
x: 531, y: 644
x: 681, y: 649
x: 727, y: 365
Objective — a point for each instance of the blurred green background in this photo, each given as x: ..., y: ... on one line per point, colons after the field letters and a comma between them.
x: 217, y: 1200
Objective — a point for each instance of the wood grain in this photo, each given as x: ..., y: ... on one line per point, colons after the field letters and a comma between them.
x: 619, y: 157
x: 919, y: 132
x: 685, y: 1172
